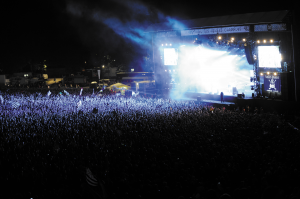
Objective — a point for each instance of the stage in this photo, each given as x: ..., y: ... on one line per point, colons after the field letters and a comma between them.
x: 268, y: 105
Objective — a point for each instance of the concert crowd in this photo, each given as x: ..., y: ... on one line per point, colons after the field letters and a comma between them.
x: 142, y: 147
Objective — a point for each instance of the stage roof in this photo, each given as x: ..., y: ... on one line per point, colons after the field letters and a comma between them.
x: 221, y: 21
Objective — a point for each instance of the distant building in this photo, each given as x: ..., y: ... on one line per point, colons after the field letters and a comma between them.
x: 21, y: 78
x: 129, y: 77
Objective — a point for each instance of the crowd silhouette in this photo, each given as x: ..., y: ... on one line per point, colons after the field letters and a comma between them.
x: 142, y: 148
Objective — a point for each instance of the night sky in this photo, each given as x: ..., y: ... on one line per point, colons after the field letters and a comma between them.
x: 68, y: 33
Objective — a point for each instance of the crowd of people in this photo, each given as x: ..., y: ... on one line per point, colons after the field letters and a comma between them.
x: 142, y: 148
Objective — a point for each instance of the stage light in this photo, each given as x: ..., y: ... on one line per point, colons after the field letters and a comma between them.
x: 219, y: 37
x: 232, y: 38
x: 268, y: 73
x: 271, y: 40
x: 165, y: 70
x: 261, y: 74
x: 102, y: 66
x: 170, y: 44
x: 275, y: 73
x: 162, y: 44
x: 166, y: 44
x: 258, y: 41
x: 244, y: 39
x: 265, y: 41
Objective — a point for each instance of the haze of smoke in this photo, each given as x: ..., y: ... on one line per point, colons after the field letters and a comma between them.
x: 127, y: 19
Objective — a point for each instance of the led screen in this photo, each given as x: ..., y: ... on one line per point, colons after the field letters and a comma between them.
x: 170, y: 56
x: 269, y: 57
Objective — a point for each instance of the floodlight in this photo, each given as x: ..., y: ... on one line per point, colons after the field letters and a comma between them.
x: 162, y: 44
x: 170, y: 44
x: 258, y: 41
x: 265, y: 41
x: 271, y: 40
x: 244, y: 39
x: 219, y: 37
x: 166, y: 44
x: 275, y: 73
x: 232, y: 38
x: 261, y: 74
x: 268, y: 73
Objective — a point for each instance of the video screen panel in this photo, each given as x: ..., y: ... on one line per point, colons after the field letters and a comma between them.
x: 170, y: 56
x: 269, y: 57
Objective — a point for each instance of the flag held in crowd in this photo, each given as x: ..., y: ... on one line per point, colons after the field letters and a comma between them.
x: 15, y: 104
x: 81, y: 91
x: 79, y: 104
x: 90, y: 179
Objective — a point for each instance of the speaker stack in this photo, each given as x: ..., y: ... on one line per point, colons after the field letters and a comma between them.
x: 248, y: 52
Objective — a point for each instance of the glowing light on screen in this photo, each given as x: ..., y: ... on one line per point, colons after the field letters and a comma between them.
x: 170, y: 56
x: 204, y: 70
x: 269, y: 57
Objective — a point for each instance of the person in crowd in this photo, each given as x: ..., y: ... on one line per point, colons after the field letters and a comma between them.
x: 222, y: 97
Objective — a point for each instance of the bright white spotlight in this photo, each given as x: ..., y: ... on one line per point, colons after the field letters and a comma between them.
x: 199, y: 64
x: 258, y: 41
x: 268, y: 73
x: 244, y: 39
x: 265, y: 41
x: 275, y: 73
x: 162, y: 44
x: 261, y: 74
x: 271, y: 40
x: 170, y: 44
x: 166, y: 44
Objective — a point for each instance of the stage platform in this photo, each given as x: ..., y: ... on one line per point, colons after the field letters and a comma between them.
x: 269, y: 105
